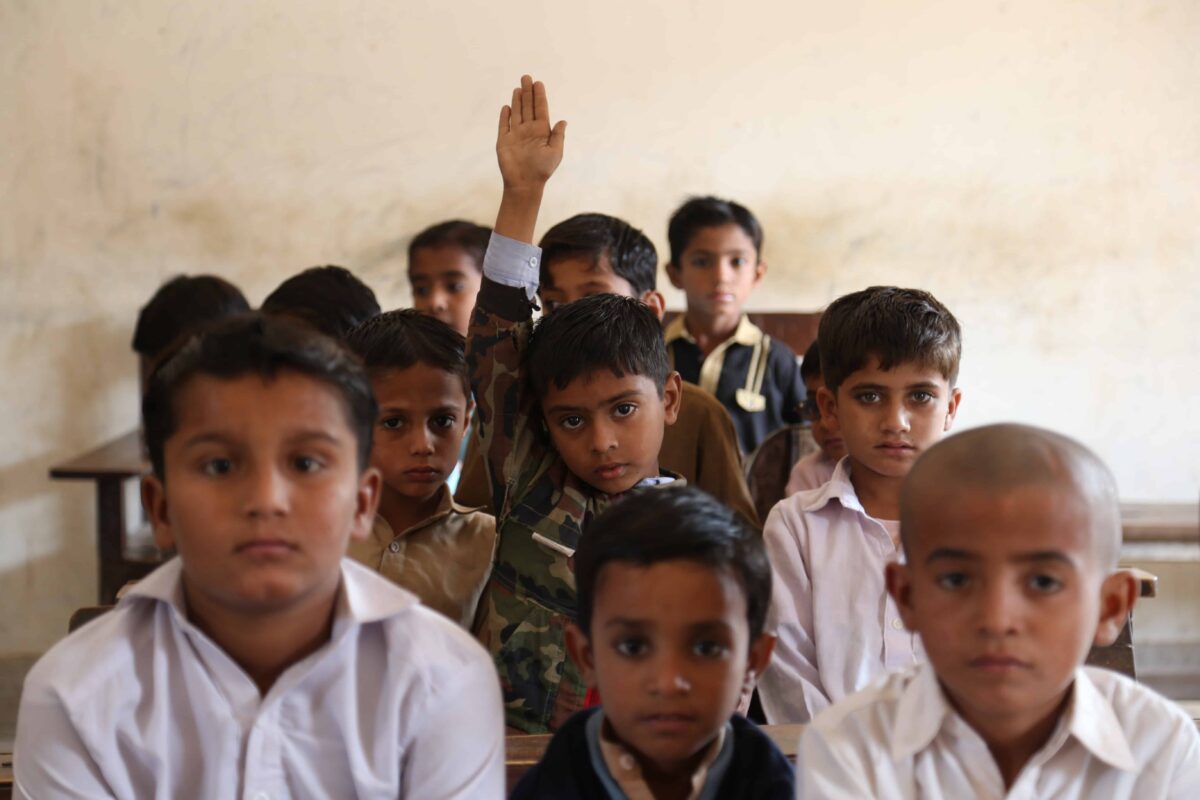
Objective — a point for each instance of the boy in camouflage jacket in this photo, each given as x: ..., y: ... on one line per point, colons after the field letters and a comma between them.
x: 572, y: 413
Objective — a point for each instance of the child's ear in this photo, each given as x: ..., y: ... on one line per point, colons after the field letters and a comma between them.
x: 952, y: 407
x: 827, y: 402
x: 759, y: 272
x: 673, y: 275
x: 154, y: 501
x: 369, y: 485
x: 672, y: 397
x: 1118, y: 593
x: 898, y: 578
x: 657, y: 303
x: 759, y: 657
x: 579, y: 648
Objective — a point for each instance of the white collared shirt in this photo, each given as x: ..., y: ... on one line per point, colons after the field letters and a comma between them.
x: 837, y: 628
x: 811, y: 472
x: 901, y: 739
x: 141, y: 704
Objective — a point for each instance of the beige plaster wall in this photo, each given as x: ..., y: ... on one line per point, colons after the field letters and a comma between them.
x: 1035, y: 163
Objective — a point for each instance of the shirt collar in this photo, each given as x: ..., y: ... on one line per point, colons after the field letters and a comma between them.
x: 363, y: 596
x: 746, y: 333
x: 383, y: 533
x: 923, y: 710
x: 838, y: 488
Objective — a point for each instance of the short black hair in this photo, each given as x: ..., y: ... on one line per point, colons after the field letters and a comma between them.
x: 256, y: 344
x: 400, y: 339
x: 596, y: 236
x: 329, y: 298
x: 604, y: 331
x: 180, y: 306
x: 810, y: 366
x: 665, y: 524
x: 472, y: 239
x: 710, y: 212
x: 891, y: 324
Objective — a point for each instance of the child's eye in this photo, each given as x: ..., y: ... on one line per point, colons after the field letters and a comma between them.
x: 391, y: 423
x: 922, y: 397
x: 571, y: 423
x: 306, y: 464
x: 867, y: 397
x: 624, y: 409
x: 632, y: 648
x: 710, y: 649
x: 443, y: 422
x: 952, y: 581
x: 1045, y: 584
x: 738, y: 261
x: 699, y: 261
x: 420, y: 291
x: 217, y: 466
x: 457, y: 288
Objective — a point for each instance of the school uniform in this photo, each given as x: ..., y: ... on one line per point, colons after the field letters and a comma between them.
x: 902, y: 739
x: 837, y: 627
x: 755, y: 377
x: 444, y: 560
x: 529, y: 598
x: 811, y: 472
x: 140, y: 703
x: 583, y: 763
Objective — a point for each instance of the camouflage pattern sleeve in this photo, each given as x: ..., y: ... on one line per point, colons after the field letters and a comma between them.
x: 499, y: 331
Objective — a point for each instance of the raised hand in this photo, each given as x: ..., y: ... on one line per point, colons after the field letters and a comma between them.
x: 528, y: 149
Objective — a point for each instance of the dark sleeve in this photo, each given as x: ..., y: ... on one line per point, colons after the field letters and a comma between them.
x: 790, y: 383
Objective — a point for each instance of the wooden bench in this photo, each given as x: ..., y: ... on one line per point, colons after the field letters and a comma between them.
x: 110, y: 465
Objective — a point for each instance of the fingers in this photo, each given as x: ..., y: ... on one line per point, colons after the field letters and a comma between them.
x: 526, y: 99
x: 541, y: 106
x: 505, y: 115
x: 516, y: 107
x: 558, y: 136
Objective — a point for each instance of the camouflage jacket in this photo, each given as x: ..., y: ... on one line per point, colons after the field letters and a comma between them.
x: 530, y: 597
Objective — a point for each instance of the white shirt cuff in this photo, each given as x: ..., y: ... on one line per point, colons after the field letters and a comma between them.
x: 513, y: 263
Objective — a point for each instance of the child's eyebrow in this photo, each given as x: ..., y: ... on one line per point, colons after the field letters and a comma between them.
x: 950, y: 553
x: 616, y: 398
x: 626, y: 622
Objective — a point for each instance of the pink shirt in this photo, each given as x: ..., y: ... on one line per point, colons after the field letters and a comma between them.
x: 837, y: 628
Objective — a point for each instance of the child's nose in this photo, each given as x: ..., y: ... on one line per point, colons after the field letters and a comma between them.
x: 604, y: 437
x: 998, y: 609
x: 897, y: 417
x: 421, y: 441
x: 266, y: 493
x: 669, y: 677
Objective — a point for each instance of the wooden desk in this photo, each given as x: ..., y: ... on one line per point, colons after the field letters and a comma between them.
x: 522, y: 752
x: 110, y: 465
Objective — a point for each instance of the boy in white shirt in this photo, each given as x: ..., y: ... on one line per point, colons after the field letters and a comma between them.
x: 1012, y: 535
x: 890, y: 358
x: 260, y: 662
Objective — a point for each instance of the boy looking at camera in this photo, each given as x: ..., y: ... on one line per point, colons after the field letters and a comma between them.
x: 890, y: 361
x: 571, y: 418
x: 716, y: 259
x: 421, y: 539
x: 445, y: 267
x: 260, y: 661
x: 592, y: 254
x: 673, y: 593
x: 1012, y: 535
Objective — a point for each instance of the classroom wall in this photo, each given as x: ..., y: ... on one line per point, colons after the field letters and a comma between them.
x: 1035, y: 163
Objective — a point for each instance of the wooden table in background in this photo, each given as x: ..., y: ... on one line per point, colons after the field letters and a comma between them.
x: 110, y: 465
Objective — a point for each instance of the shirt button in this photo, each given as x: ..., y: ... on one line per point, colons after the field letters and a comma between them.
x: 898, y: 624
x: 394, y: 547
x: 533, y: 261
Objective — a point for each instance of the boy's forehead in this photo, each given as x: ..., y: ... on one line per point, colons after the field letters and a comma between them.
x: 418, y: 382
x: 281, y: 400
x: 599, y: 385
x: 580, y: 268
x: 903, y: 373
x: 716, y: 238
x: 427, y: 261
x: 678, y: 586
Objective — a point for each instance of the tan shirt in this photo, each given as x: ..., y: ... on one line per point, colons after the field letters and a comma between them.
x: 701, y: 447
x: 444, y: 560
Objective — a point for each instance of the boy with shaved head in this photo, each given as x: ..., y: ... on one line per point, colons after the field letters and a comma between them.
x: 1012, y: 535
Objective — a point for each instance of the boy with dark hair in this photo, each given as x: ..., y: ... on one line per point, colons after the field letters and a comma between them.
x: 716, y: 259
x: 1012, y: 535
x: 422, y: 540
x: 890, y: 361
x: 260, y: 661
x: 592, y: 254
x: 571, y: 416
x: 445, y: 266
x: 180, y: 306
x: 673, y: 594
x: 815, y: 469
x: 329, y: 298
